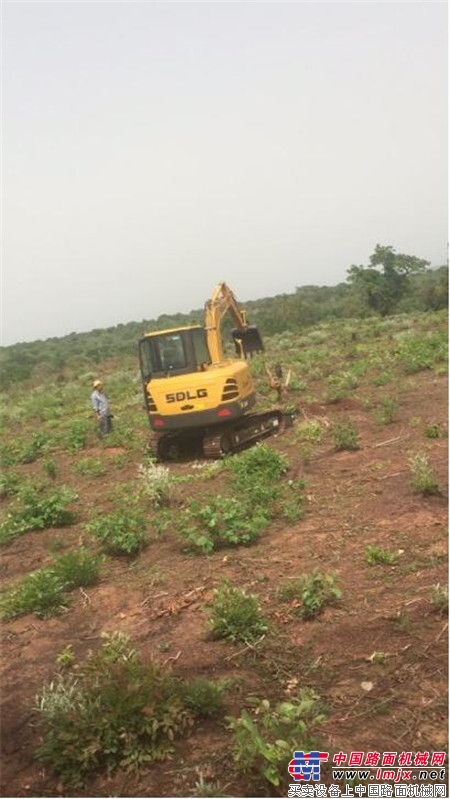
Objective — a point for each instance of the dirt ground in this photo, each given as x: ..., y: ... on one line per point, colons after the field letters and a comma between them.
x: 160, y: 599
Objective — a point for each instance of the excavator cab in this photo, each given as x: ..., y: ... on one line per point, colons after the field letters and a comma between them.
x: 247, y: 341
x: 173, y: 352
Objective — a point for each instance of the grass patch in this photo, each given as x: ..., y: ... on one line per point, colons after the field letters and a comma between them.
x: 308, y: 594
x: 264, y: 740
x: 423, y: 478
x: 345, y: 436
x: 236, y: 615
x: 38, y: 512
x: 375, y: 555
x: 121, y: 532
x: 44, y: 592
x: 115, y: 711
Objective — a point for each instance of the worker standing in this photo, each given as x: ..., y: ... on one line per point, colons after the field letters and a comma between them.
x: 100, y: 406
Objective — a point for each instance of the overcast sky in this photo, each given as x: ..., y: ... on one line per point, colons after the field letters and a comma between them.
x: 153, y: 149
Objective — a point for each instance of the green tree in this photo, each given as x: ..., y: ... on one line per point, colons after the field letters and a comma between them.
x: 383, y: 284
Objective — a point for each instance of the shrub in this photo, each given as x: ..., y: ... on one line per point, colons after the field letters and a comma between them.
x: 376, y: 555
x: 260, y: 460
x: 120, y: 533
x: 386, y: 411
x: 345, y: 436
x: 113, y: 711
x: 92, y: 467
x: 434, y: 431
x: 223, y: 522
x: 155, y: 484
x: 309, y: 593
x: 418, y: 352
x: 423, y: 478
x: 236, y: 615
x: 43, y: 592
x: 203, y: 697
x: 38, y: 513
x: 439, y: 599
x: 263, y: 744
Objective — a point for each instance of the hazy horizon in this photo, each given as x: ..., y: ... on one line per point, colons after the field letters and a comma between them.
x: 151, y: 150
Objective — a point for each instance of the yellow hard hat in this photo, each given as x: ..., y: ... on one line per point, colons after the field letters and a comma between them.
x: 97, y: 383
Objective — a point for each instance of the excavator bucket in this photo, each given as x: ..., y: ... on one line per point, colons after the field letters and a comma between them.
x: 247, y: 341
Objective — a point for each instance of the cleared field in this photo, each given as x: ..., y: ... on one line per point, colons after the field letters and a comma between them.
x: 354, y: 494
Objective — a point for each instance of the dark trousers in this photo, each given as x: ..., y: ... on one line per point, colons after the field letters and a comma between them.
x: 105, y: 424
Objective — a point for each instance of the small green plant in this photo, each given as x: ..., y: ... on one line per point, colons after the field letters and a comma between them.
x: 112, y: 711
x: 345, y: 436
x: 260, y: 460
x: 77, y: 436
x: 44, y: 592
x: 90, y: 467
x: 66, y: 657
x: 156, y: 484
x: 37, y: 512
x: 434, y: 431
x: 376, y: 555
x: 309, y: 593
x: 203, y: 697
x: 439, y: 599
x: 265, y: 740
x: 236, y: 615
x: 310, y: 431
x: 223, y: 522
x: 386, y: 411
x: 423, y: 477
x: 50, y: 468
x: 120, y: 533
x: 9, y: 484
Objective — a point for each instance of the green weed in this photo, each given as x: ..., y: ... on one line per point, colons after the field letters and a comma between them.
x: 376, y: 555
x: 121, y: 532
x: 50, y: 470
x: 434, y: 431
x: 264, y: 741
x: 309, y: 593
x: 236, y: 615
x: 156, y: 484
x: 113, y: 711
x: 223, y: 522
x: 439, y: 599
x: 91, y: 467
x: 44, y: 592
x: 345, y: 436
x: 203, y: 697
x: 386, y: 411
x: 36, y: 512
x: 423, y: 477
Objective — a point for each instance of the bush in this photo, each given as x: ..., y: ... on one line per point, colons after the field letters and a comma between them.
x: 423, y: 478
x: 376, y: 555
x: 38, y: 513
x: 113, y: 711
x: 265, y: 743
x: 120, y: 533
x: 236, y: 615
x: 155, y: 484
x: 309, y: 593
x: 345, y: 436
x: 43, y: 592
x: 223, y: 522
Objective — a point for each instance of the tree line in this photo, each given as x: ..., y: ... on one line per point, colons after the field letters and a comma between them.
x: 390, y: 283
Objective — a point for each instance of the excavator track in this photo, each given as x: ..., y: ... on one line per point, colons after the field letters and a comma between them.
x: 215, y: 442
x: 232, y: 438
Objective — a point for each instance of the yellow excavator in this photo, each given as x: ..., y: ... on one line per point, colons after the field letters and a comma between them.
x: 198, y: 400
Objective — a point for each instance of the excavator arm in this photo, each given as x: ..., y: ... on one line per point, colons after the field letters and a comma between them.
x: 246, y: 337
